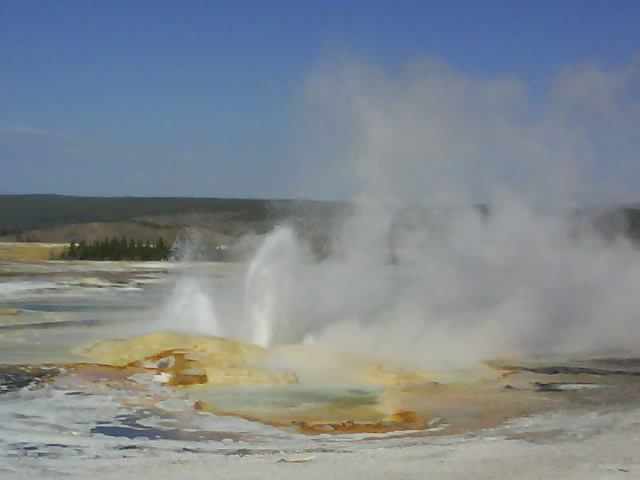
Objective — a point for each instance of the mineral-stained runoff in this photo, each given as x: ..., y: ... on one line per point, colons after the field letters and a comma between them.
x: 308, y: 388
x: 92, y: 385
x: 228, y: 377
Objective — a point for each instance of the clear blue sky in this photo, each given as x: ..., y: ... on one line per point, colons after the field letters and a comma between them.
x: 198, y: 98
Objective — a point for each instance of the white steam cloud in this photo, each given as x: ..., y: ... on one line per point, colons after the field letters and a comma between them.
x: 522, y: 280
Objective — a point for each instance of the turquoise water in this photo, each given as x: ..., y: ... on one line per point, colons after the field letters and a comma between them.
x: 288, y: 397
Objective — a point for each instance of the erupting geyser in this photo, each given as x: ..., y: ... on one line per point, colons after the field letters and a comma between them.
x: 268, y: 285
x: 190, y: 308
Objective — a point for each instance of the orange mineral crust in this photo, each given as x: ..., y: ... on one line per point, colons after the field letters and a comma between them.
x: 298, y: 392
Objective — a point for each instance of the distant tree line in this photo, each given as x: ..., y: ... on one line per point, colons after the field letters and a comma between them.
x: 117, y: 249
x: 18, y: 233
x: 53, y: 210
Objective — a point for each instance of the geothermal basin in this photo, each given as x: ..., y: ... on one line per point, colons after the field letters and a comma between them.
x: 126, y: 362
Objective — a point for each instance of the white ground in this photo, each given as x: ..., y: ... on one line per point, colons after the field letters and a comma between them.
x: 598, y: 443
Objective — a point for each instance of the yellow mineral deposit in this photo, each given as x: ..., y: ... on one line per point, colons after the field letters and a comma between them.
x: 388, y: 397
x: 187, y: 360
x: 216, y: 351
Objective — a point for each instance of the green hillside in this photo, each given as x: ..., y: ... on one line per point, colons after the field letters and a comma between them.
x: 20, y: 212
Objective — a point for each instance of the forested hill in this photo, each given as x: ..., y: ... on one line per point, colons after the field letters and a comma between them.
x: 56, y: 218
x: 20, y: 212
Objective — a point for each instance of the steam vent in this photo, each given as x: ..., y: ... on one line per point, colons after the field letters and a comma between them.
x: 297, y: 387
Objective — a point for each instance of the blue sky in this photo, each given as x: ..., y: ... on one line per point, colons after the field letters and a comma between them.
x: 204, y: 98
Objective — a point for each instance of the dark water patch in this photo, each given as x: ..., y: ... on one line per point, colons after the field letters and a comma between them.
x: 74, y: 308
x: 607, y: 393
x: 58, y: 324
x: 39, y: 450
x: 616, y: 363
x: 17, y: 377
x: 566, y: 387
x: 126, y: 432
x: 574, y: 370
x: 130, y: 447
x: 115, y: 276
x: 129, y: 427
